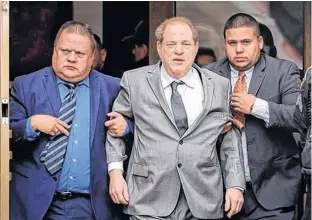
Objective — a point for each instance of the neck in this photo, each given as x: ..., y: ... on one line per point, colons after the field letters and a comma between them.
x: 176, y: 75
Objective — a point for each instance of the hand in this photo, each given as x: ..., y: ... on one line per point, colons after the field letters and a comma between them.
x: 117, y: 125
x: 118, y: 189
x: 234, y: 201
x: 243, y: 103
x: 48, y: 125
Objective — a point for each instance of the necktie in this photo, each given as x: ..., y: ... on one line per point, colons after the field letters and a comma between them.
x: 240, y: 88
x: 178, y: 109
x: 54, y: 152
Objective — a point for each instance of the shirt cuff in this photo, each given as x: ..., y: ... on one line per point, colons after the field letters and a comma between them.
x: 30, y: 134
x: 115, y: 166
x: 128, y: 130
x: 240, y: 188
x: 261, y: 110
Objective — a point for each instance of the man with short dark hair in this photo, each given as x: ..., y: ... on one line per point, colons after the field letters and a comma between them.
x: 268, y: 41
x: 99, y: 55
x: 265, y: 90
x: 57, y: 116
x: 140, y: 42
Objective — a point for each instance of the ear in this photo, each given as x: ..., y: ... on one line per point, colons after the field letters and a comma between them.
x: 260, y: 42
x: 159, y: 48
x: 145, y: 50
x: 103, y: 55
x: 196, y: 47
x: 93, y: 55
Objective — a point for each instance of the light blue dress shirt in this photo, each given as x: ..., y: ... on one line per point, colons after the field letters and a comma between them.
x: 75, y: 174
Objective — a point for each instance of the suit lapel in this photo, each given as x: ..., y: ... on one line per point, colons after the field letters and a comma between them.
x: 154, y: 81
x: 52, y: 91
x: 257, y: 77
x: 208, y: 89
x: 225, y: 69
x: 95, y: 91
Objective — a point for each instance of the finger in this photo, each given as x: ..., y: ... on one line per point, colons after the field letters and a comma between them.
x: 62, y: 129
x: 125, y: 193
x: 238, y: 109
x: 113, y: 196
x: 52, y: 133
x: 109, y: 123
x: 120, y: 197
x: 63, y: 124
x: 227, y: 203
x: 235, y: 99
x: 233, y: 208
x: 113, y: 114
x: 236, y: 95
x: 235, y: 104
x: 240, y: 205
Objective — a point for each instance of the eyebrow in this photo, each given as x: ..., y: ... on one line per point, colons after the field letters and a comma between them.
x: 233, y: 40
x: 80, y: 51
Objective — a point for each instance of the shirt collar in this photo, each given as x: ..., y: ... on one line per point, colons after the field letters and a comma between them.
x: 85, y: 81
x: 248, y: 73
x: 166, y: 79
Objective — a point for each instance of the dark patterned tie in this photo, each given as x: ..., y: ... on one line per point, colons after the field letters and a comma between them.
x: 54, y: 152
x: 240, y: 87
x: 178, y: 109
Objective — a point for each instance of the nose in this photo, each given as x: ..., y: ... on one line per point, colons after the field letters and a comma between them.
x: 178, y: 49
x: 239, y: 48
x: 72, y: 57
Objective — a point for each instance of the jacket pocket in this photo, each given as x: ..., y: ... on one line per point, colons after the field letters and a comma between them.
x: 139, y: 170
x: 21, y: 170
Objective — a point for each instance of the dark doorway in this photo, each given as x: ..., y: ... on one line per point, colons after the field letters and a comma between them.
x: 120, y: 20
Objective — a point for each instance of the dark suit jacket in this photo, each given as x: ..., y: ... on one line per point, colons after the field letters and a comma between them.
x: 32, y: 187
x: 273, y: 155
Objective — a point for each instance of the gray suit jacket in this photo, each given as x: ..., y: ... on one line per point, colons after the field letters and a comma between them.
x: 162, y: 162
x: 273, y: 155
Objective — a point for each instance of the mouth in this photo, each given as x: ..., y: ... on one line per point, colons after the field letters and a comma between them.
x: 240, y: 59
x: 178, y: 61
x: 70, y: 67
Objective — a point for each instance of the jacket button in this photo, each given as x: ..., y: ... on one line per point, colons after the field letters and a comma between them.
x: 179, y: 165
x: 249, y: 143
x: 181, y: 142
x: 54, y: 178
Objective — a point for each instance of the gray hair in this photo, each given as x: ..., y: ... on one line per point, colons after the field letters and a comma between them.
x: 78, y: 28
x: 159, y: 33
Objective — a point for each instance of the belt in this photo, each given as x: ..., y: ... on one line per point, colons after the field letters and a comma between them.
x: 70, y: 195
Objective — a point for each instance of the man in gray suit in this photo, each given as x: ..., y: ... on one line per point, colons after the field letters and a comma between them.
x: 180, y: 110
x: 272, y: 162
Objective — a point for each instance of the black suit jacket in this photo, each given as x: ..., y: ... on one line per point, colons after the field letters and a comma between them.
x: 273, y: 155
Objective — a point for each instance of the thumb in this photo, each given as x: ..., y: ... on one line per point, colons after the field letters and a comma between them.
x: 227, y: 203
x: 108, y: 123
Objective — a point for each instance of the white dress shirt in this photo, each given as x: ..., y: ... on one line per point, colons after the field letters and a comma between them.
x: 192, y: 95
x: 259, y: 110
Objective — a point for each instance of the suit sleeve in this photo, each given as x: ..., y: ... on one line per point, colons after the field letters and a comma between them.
x: 281, y: 115
x: 302, y: 115
x: 115, y: 146
x: 18, y: 112
x: 231, y: 154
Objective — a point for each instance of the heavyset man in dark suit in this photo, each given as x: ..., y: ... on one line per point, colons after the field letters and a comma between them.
x: 272, y: 162
x: 57, y: 117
